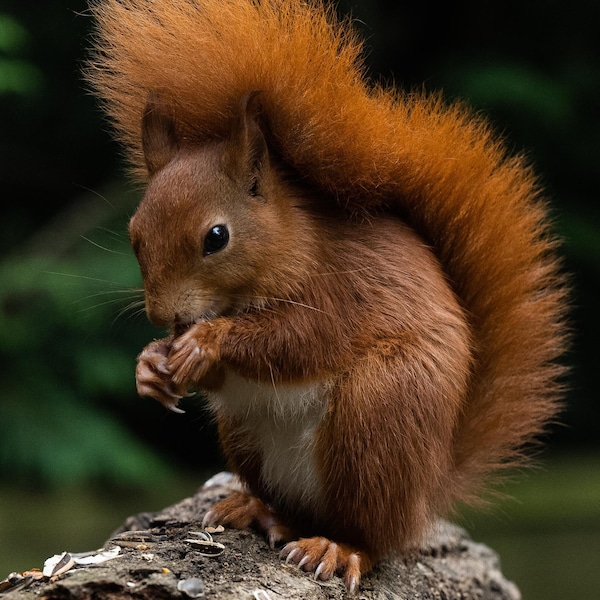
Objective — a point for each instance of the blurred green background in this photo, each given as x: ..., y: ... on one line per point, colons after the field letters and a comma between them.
x: 79, y: 451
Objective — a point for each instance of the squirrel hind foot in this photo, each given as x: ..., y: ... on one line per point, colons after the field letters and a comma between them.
x: 325, y: 558
x: 241, y: 511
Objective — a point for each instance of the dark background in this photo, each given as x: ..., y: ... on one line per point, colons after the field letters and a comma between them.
x: 71, y: 321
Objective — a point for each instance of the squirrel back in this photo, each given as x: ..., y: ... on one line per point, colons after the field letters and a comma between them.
x: 372, y: 151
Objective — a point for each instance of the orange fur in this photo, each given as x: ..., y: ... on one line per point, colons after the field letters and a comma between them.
x: 435, y: 377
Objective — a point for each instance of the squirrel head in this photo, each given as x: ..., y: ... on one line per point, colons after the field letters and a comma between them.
x: 215, y: 231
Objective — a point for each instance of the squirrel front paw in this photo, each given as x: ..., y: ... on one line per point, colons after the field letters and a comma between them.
x: 153, y: 378
x: 195, y: 353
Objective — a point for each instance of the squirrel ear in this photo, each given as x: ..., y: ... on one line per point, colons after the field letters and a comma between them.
x: 246, y: 152
x: 159, y: 134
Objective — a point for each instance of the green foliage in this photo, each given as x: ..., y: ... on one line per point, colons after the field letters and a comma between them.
x: 68, y: 354
x: 16, y: 75
x: 51, y: 435
x: 13, y: 36
x: 69, y: 360
x: 547, y: 529
x: 521, y: 88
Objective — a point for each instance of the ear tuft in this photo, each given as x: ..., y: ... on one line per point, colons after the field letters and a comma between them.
x: 246, y: 152
x: 159, y: 134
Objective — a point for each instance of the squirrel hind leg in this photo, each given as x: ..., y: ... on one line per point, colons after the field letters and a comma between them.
x: 325, y: 558
x: 317, y: 555
x: 241, y: 511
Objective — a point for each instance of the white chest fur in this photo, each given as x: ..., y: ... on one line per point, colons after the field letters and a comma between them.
x: 283, y: 420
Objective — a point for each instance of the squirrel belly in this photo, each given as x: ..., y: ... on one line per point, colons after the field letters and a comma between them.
x: 277, y: 424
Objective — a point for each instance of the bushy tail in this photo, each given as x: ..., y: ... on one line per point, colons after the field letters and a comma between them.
x: 367, y: 148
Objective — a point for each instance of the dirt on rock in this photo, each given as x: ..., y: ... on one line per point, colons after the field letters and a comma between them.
x: 158, y: 561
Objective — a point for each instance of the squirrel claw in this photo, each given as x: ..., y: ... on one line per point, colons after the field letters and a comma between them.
x: 153, y: 377
x: 291, y: 556
x: 162, y: 393
x: 173, y: 408
x: 188, y: 361
x: 210, y: 519
x: 325, y: 558
x: 241, y: 510
x: 195, y: 352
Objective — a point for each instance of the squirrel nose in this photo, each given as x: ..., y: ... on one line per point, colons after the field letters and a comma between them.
x: 157, y: 315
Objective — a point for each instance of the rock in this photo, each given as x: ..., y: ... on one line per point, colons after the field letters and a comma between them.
x: 156, y: 562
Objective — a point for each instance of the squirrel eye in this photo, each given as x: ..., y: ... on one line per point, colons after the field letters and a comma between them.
x: 216, y: 239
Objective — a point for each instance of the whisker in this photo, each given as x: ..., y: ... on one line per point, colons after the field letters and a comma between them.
x: 96, y: 193
x: 111, y: 297
x: 105, y: 303
x: 348, y: 272
x: 133, y: 297
x: 286, y: 301
x: 107, y: 292
x: 115, y: 235
x: 86, y: 277
x: 102, y: 247
x: 135, y: 309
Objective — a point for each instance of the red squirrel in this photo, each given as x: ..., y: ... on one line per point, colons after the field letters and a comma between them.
x: 361, y: 281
